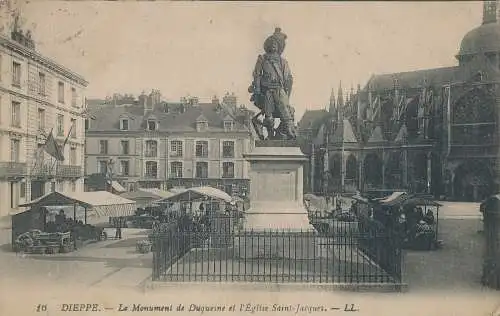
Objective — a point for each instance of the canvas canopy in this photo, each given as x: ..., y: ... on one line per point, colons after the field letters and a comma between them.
x: 117, y: 187
x: 359, y: 198
x: 421, y: 201
x: 197, y: 193
x: 158, y: 192
x: 394, y: 199
x: 100, y: 203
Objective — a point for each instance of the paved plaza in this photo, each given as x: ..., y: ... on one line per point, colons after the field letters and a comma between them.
x: 100, y: 264
x: 434, y: 277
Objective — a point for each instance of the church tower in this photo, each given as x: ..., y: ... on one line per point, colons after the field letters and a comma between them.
x: 340, y: 103
x: 491, y: 11
x: 331, y: 108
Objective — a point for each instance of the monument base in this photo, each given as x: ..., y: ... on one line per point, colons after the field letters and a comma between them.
x: 274, y: 230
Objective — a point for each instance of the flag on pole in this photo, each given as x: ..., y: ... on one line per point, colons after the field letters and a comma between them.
x: 67, y: 136
x: 52, y: 148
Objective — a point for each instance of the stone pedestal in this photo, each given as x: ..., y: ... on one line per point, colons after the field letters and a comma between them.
x: 277, y: 223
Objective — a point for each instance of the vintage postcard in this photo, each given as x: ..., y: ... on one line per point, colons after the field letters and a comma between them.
x: 249, y: 158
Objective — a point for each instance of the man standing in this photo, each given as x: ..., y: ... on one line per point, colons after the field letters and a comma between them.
x: 118, y: 224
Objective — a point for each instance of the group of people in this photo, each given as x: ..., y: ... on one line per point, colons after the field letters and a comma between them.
x: 418, y: 225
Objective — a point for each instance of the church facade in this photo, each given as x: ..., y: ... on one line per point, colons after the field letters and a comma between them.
x: 432, y: 131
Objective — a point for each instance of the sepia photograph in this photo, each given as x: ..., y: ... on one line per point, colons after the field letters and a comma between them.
x: 249, y: 157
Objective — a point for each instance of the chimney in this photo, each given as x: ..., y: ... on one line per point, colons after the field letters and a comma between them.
x: 230, y: 100
x: 194, y: 101
x: 155, y: 96
x: 143, y: 99
x: 215, y: 100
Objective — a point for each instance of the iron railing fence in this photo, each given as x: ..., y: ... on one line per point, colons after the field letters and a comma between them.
x: 220, y: 250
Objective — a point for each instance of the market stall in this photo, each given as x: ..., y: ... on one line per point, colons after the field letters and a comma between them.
x: 142, y: 198
x: 417, y: 217
x: 47, y: 224
x: 207, y: 209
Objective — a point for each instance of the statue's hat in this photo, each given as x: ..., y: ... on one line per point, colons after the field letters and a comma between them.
x: 277, y: 36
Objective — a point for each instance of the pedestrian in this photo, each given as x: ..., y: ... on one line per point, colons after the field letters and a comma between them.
x: 118, y: 234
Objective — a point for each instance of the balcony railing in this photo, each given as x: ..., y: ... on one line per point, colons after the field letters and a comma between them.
x: 151, y: 153
x: 12, y: 169
x: 66, y: 171
x: 151, y: 176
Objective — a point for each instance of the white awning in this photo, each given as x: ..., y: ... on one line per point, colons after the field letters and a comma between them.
x: 199, y: 192
x: 117, y: 187
x: 100, y: 203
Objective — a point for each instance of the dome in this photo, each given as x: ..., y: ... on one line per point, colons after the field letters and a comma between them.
x: 482, y: 39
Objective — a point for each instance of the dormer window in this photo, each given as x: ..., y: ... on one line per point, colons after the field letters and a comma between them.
x: 228, y: 123
x: 228, y: 126
x: 124, y: 124
x: 152, y: 125
x: 201, y: 124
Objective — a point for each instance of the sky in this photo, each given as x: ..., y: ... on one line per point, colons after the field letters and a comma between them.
x: 210, y: 48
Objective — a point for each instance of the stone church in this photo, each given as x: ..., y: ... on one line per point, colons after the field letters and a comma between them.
x: 432, y: 131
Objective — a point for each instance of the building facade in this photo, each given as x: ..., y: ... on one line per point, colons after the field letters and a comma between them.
x: 37, y: 96
x: 431, y: 131
x: 149, y: 143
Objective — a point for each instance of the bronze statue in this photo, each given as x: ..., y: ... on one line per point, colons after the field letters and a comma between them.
x: 271, y: 88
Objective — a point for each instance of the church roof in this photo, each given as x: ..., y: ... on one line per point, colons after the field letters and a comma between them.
x: 402, y: 134
x: 311, y: 118
x: 320, y: 136
x: 344, y: 133
x: 377, y: 136
x: 414, y: 79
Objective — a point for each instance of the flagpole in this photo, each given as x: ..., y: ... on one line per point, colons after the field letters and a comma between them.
x: 67, y: 136
x: 53, y: 186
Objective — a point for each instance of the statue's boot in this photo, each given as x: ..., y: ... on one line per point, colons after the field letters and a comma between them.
x: 289, y: 129
x: 269, y: 125
x: 257, y: 126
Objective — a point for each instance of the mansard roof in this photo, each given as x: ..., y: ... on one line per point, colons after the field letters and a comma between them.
x: 108, y: 118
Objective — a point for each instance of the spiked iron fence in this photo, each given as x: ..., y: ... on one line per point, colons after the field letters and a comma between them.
x: 346, y: 252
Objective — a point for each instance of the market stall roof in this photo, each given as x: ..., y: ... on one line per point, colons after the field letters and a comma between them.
x: 158, y: 192
x: 140, y: 195
x: 117, y: 187
x: 493, y: 200
x: 394, y: 199
x: 197, y: 193
x: 359, y: 198
x: 85, y: 199
x: 417, y: 200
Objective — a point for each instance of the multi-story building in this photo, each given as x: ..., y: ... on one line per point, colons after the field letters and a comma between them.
x: 37, y: 96
x: 153, y: 144
x: 433, y: 130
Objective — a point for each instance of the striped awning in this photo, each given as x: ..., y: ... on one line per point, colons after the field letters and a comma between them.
x: 114, y: 210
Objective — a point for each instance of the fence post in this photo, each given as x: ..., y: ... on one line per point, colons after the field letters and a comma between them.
x: 491, y: 263
x: 156, y: 259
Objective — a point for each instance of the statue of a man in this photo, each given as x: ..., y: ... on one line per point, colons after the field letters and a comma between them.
x: 271, y: 88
